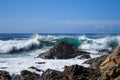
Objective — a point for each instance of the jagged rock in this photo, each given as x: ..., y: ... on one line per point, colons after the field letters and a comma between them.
x: 95, y: 62
x: 39, y: 70
x: 4, y: 75
x: 63, y: 51
x: 110, y: 68
x: 54, y: 75
x: 106, y: 51
x: 27, y: 75
x: 74, y: 72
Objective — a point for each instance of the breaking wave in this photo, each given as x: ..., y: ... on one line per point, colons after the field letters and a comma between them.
x: 39, y: 41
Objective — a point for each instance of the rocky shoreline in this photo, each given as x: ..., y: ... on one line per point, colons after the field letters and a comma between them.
x: 106, y: 67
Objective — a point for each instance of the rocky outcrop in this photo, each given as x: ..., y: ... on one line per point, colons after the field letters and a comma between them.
x: 104, y: 51
x: 27, y: 75
x: 95, y: 62
x: 54, y: 75
x: 74, y: 72
x: 63, y: 51
x: 4, y: 75
x: 110, y: 68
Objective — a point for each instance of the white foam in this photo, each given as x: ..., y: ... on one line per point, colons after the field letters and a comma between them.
x: 8, y: 46
x: 15, y: 65
x: 98, y: 44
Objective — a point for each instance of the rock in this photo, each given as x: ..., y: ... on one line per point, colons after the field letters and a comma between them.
x: 40, y: 62
x: 39, y: 70
x: 4, y: 75
x: 63, y: 51
x: 54, y: 75
x: 95, y: 62
x: 105, y: 51
x: 110, y: 67
x: 27, y: 75
x: 74, y: 72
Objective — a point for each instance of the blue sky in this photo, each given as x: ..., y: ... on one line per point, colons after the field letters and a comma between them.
x: 59, y: 16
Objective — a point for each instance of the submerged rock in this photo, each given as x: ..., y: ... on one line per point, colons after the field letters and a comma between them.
x: 74, y: 72
x: 4, y: 75
x: 110, y: 68
x: 63, y: 51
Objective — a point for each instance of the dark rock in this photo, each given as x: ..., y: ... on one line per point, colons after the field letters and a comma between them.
x: 27, y: 75
x: 3, y: 67
x: 110, y: 67
x: 95, y: 62
x: 63, y: 51
x: 39, y: 70
x: 40, y: 62
x: 105, y: 51
x: 74, y: 72
x: 54, y: 75
x: 4, y: 75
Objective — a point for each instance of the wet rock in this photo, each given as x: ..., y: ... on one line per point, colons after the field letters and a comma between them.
x: 54, y: 75
x: 27, y: 75
x: 40, y: 62
x: 110, y: 67
x: 4, y: 75
x: 63, y: 51
x: 95, y: 62
x: 105, y: 51
x: 39, y: 70
x: 74, y: 72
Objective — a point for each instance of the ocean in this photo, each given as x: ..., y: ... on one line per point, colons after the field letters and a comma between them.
x: 19, y: 51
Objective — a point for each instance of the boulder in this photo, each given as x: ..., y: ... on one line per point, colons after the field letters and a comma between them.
x: 95, y: 62
x: 106, y: 51
x: 50, y: 74
x: 4, y: 75
x: 74, y: 72
x: 27, y: 75
x: 110, y: 67
x: 63, y: 51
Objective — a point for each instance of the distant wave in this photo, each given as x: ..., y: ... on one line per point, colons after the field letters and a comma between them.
x: 38, y: 42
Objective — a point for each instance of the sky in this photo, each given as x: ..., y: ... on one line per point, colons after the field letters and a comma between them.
x: 59, y: 16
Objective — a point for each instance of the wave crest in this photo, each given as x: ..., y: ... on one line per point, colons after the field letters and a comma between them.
x: 38, y: 42
x: 19, y: 45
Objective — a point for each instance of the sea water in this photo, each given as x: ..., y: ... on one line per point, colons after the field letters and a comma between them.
x: 19, y: 51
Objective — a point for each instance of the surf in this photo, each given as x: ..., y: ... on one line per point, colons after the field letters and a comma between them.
x: 36, y: 42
